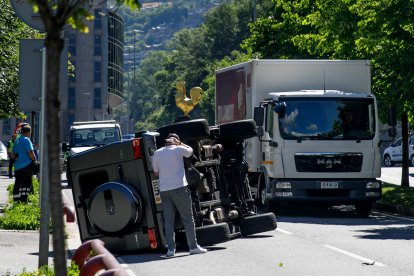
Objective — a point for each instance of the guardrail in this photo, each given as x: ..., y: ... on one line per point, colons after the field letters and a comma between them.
x: 92, y: 257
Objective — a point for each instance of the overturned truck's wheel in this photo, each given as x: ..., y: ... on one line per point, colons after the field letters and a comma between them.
x: 213, y: 234
x: 238, y: 130
x: 257, y: 224
x: 187, y: 130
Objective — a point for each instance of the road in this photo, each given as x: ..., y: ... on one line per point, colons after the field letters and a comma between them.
x: 334, y: 242
x: 393, y: 175
x: 309, y: 240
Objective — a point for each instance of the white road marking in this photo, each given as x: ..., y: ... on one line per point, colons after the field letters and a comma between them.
x: 284, y: 231
x: 393, y: 216
x: 366, y: 260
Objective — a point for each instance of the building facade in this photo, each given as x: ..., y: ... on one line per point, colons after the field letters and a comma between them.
x: 95, y: 84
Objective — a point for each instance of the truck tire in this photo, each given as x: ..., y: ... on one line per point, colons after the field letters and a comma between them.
x: 387, y: 161
x: 260, y: 198
x: 257, y: 224
x: 114, y: 209
x: 187, y: 130
x: 238, y: 130
x: 213, y: 234
x: 363, y: 209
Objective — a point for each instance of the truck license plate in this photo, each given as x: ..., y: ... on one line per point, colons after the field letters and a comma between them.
x: 329, y: 185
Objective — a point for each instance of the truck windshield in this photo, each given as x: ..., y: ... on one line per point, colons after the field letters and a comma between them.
x: 93, y: 136
x: 328, y: 119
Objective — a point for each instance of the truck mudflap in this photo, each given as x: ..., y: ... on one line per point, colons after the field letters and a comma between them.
x: 326, y: 190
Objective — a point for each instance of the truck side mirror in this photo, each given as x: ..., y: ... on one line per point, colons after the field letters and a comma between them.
x: 259, y: 115
x: 280, y: 108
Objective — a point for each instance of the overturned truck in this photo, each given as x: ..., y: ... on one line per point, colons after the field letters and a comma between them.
x: 117, y: 198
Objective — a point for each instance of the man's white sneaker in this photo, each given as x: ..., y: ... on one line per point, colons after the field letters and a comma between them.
x: 170, y: 252
x: 198, y: 250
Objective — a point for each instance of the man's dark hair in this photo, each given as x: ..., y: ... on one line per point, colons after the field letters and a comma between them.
x: 26, y: 129
x: 173, y: 135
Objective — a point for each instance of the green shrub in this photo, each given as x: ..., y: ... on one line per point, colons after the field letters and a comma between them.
x: 73, y: 270
x: 397, y: 195
x: 22, y: 216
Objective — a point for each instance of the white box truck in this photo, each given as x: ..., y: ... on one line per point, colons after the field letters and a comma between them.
x: 318, y: 129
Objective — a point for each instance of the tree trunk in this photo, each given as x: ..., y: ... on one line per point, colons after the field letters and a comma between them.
x: 405, y: 164
x: 54, y: 45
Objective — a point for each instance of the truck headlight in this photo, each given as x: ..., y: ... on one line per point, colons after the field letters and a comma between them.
x: 373, y: 185
x: 283, y: 185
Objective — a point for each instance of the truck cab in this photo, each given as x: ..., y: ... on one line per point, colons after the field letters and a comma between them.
x: 320, y: 146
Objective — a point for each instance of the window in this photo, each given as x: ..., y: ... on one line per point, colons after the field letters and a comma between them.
x: 98, y: 46
x: 71, y: 97
x: 97, y: 103
x: 269, y: 120
x: 72, y: 45
x: 98, y: 19
x: 7, y: 127
x: 71, y: 119
x: 97, y: 73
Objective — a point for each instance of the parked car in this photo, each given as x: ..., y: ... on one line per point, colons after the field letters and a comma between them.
x: 393, y: 154
x: 4, y: 160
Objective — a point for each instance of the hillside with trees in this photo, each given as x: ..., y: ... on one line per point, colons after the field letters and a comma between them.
x: 380, y: 31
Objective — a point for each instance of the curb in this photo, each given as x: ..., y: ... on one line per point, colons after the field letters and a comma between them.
x: 404, y: 210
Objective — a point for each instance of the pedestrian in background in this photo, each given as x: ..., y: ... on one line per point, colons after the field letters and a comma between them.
x: 23, y: 169
x: 10, y: 154
x: 168, y: 164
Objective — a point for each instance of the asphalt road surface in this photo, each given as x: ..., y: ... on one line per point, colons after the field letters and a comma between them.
x: 309, y: 240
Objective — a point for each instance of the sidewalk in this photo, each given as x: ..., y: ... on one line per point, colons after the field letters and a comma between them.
x: 20, y: 249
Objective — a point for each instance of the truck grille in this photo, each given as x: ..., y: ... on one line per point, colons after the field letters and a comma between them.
x: 328, y: 162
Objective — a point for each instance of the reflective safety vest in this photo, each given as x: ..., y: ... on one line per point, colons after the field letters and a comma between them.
x: 11, y: 145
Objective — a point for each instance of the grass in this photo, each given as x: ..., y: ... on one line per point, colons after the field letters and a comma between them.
x: 397, y: 195
x: 22, y: 216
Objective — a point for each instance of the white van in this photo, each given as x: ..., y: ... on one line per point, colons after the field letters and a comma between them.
x: 87, y: 135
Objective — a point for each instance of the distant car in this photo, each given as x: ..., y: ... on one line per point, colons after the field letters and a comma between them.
x: 393, y: 154
x: 128, y: 136
x: 4, y: 160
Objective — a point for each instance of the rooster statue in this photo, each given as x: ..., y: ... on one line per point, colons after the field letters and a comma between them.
x: 184, y: 103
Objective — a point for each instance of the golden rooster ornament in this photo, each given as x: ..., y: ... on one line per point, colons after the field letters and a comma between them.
x: 184, y: 103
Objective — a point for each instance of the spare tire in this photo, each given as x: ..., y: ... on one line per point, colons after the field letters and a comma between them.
x: 237, y: 131
x: 187, y: 130
x: 114, y: 209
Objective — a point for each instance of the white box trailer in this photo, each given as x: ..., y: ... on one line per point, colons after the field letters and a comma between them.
x: 305, y: 151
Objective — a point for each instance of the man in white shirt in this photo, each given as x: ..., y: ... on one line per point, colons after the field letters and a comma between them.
x: 168, y: 165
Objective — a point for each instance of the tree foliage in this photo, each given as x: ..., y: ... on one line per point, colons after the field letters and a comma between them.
x: 12, y: 30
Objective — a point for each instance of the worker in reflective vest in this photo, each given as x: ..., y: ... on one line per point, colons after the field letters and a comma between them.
x: 10, y: 155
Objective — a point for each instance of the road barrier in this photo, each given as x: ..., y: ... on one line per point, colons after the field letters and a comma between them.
x: 92, y: 257
x: 68, y: 209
